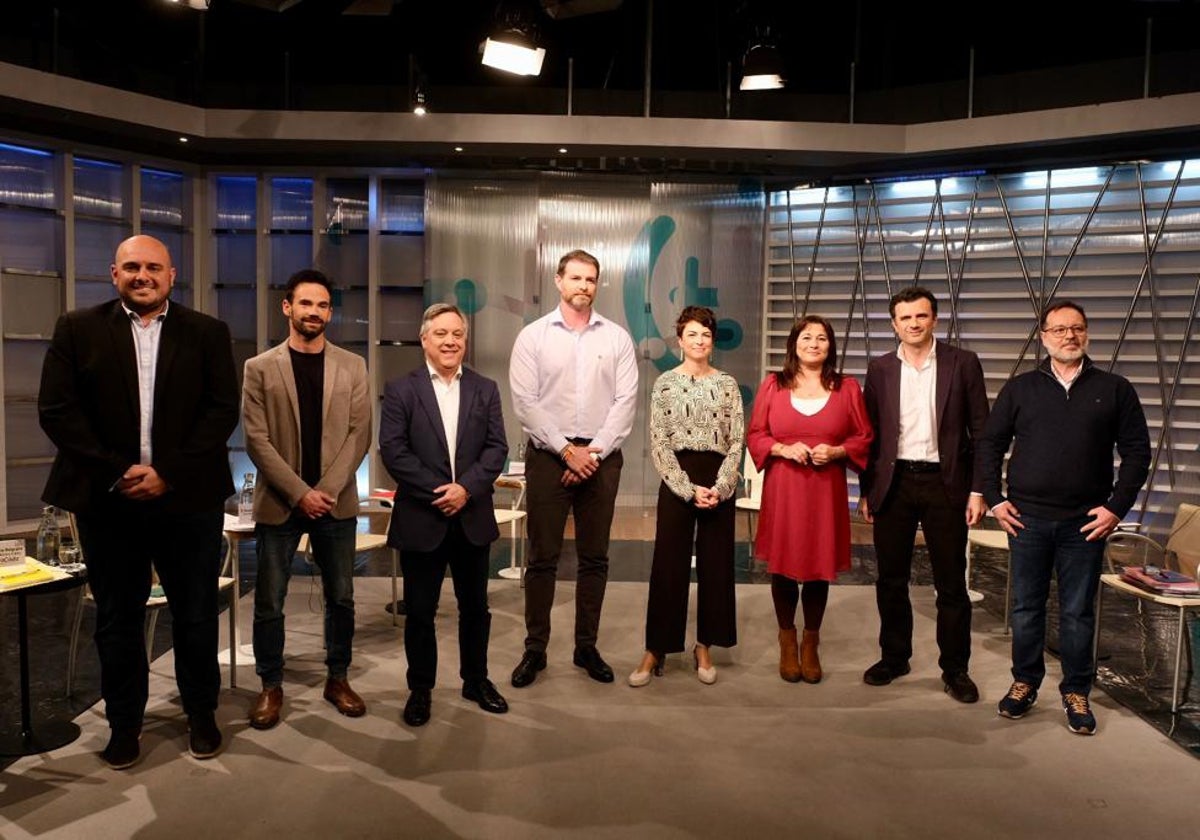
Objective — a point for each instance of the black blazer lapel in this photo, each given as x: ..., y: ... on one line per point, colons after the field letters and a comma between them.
x: 428, y: 400
x: 121, y: 334
x: 168, y: 345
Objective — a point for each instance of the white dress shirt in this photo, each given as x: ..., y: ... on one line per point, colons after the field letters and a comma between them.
x: 574, y: 384
x: 145, y: 346
x: 448, y: 400
x: 918, y: 409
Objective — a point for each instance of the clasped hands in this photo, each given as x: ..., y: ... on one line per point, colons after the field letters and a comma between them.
x: 802, y: 453
x: 141, y: 482
x: 582, y: 463
x: 705, y: 498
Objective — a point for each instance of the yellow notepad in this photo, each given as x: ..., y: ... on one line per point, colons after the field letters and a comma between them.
x: 32, y: 574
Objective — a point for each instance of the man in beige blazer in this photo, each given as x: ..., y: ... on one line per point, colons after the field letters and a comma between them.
x: 307, y: 420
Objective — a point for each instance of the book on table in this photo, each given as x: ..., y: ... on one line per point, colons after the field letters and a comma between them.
x: 1161, y: 581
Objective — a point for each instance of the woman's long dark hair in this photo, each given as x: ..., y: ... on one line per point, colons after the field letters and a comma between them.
x: 831, y: 380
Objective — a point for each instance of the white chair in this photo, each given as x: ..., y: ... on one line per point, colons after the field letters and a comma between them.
x: 154, y: 604
x: 514, y: 518
x: 752, y: 501
x: 366, y: 542
x: 998, y: 540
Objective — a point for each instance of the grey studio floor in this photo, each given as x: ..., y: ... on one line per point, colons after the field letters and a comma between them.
x: 751, y: 756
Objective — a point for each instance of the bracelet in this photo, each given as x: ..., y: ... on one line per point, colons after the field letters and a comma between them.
x: 563, y: 454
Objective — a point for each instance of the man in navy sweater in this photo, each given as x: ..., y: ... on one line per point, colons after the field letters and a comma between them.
x: 1062, y: 421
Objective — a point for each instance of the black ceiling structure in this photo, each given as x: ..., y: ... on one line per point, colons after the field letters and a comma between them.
x: 868, y: 61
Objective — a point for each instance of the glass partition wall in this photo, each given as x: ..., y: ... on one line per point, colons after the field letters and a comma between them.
x: 1124, y: 240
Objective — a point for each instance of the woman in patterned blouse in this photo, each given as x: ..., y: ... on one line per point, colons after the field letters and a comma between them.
x: 696, y: 439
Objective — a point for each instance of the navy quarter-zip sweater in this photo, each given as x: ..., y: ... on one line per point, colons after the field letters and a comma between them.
x: 1062, y: 444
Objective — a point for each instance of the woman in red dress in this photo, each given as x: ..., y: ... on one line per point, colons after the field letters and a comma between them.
x: 808, y: 424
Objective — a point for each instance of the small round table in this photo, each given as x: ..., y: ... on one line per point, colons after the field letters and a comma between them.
x: 55, y: 733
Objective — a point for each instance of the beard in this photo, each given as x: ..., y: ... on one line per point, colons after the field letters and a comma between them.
x: 309, y: 329
x: 1068, y: 355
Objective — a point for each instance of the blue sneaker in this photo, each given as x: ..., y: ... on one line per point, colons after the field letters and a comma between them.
x: 1020, y: 699
x: 1080, y: 719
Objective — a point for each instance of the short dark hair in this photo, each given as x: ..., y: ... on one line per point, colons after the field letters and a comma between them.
x: 1063, y: 304
x: 579, y: 255
x: 831, y: 380
x: 701, y: 315
x: 908, y: 295
x: 307, y: 275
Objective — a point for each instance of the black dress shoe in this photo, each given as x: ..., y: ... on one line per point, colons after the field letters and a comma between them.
x: 589, y: 659
x: 881, y: 673
x: 486, y: 695
x: 204, y: 738
x: 960, y: 687
x: 416, y: 710
x: 526, y: 671
x: 123, y: 750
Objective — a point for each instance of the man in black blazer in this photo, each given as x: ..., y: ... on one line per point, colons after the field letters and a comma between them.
x: 140, y: 397
x: 442, y: 439
x: 928, y: 406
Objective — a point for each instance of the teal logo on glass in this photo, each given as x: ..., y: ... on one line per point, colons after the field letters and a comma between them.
x: 687, y: 291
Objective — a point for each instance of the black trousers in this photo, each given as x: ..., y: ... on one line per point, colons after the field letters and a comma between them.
x: 681, y: 524
x: 549, y: 502
x: 920, y: 498
x: 424, y: 572
x: 185, y: 549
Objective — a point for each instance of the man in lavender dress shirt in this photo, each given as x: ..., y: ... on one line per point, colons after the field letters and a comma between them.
x: 573, y: 375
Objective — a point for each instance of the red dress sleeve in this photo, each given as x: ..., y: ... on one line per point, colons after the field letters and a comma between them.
x: 758, y: 437
x: 858, y: 443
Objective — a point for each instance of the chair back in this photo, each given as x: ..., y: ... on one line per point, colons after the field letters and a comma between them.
x: 752, y: 477
x: 1183, y: 542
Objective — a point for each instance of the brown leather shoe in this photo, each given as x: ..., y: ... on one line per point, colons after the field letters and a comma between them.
x: 789, y: 658
x: 810, y: 663
x: 340, y: 694
x: 265, y: 713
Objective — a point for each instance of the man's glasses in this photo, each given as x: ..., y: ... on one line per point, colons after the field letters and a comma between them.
x: 1059, y: 332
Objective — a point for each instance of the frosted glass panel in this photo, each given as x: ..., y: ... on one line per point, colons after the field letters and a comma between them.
x: 402, y: 260
x: 289, y: 253
x: 99, y: 188
x: 291, y: 203
x: 30, y: 241
x: 162, y: 197
x: 349, y: 316
x: 235, y: 258
x: 344, y: 258
x: 27, y: 176
x: 25, y: 485
x: 23, y: 367
x: 346, y: 204
x: 236, y: 308
x: 401, y: 312
x: 95, y: 246
x: 236, y: 201
x: 94, y: 292
x: 31, y: 304
x: 396, y: 360
x: 403, y: 206
x: 23, y: 436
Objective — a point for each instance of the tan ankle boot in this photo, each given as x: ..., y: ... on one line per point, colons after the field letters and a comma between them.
x: 810, y: 663
x: 789, y: 662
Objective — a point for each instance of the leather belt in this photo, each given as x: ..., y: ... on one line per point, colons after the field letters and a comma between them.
x: 579, y: 441
x: 918, y: 466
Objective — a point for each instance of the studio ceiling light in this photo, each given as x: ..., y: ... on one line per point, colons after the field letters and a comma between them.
x: 762, y: 68
x: 514, y: 52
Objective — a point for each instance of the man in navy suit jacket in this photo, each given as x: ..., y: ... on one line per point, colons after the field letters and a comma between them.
x: 140, y: 397
x: 442, y: 439
x: 928, y: 405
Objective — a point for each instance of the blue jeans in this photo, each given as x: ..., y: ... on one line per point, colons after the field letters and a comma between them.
x: 332, y: 545
x: 1043, y: 547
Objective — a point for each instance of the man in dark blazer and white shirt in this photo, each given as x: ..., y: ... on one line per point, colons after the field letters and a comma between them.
x: 140, y: 397
x: 928, y: 406
x: 442, y: 439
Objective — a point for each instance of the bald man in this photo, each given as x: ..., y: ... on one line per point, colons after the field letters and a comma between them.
x: 140, y: 396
